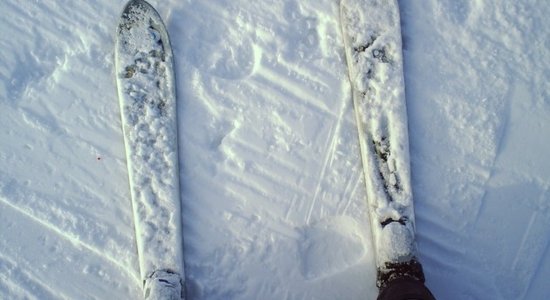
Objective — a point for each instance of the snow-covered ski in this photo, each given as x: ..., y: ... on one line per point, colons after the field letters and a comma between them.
x: 372, y: 39
x: 146, y: 91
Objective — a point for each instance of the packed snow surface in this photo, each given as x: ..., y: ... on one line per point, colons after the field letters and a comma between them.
x: 272, y: 189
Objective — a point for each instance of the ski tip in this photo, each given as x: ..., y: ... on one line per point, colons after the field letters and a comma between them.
x: 136, y: 3
x: 139, y: 6
x: 140, y: 20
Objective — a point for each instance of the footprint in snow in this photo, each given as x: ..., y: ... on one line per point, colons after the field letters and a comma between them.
x: 331, y: 246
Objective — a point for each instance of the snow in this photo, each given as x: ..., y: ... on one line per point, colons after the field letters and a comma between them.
x: 272, y: 192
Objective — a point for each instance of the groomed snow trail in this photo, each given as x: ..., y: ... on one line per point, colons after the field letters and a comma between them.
x: 276, y: 149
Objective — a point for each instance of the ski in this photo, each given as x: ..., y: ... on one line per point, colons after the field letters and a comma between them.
x: 146, y: 91
x: 372, y: 42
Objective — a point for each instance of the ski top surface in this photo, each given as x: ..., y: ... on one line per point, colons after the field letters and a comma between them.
x: 146, y: 92
x: 372, y: 40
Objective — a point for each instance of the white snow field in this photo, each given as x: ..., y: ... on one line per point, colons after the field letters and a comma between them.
x: 272, y: 189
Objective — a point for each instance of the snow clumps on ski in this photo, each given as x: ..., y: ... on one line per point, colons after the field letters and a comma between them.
x: 146, y: 91
x: 372, y: 40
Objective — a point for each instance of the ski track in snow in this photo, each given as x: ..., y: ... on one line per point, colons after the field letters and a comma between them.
x: 271, y: 181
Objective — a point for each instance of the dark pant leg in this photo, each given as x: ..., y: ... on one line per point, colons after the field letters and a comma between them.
x: 405, y: 288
